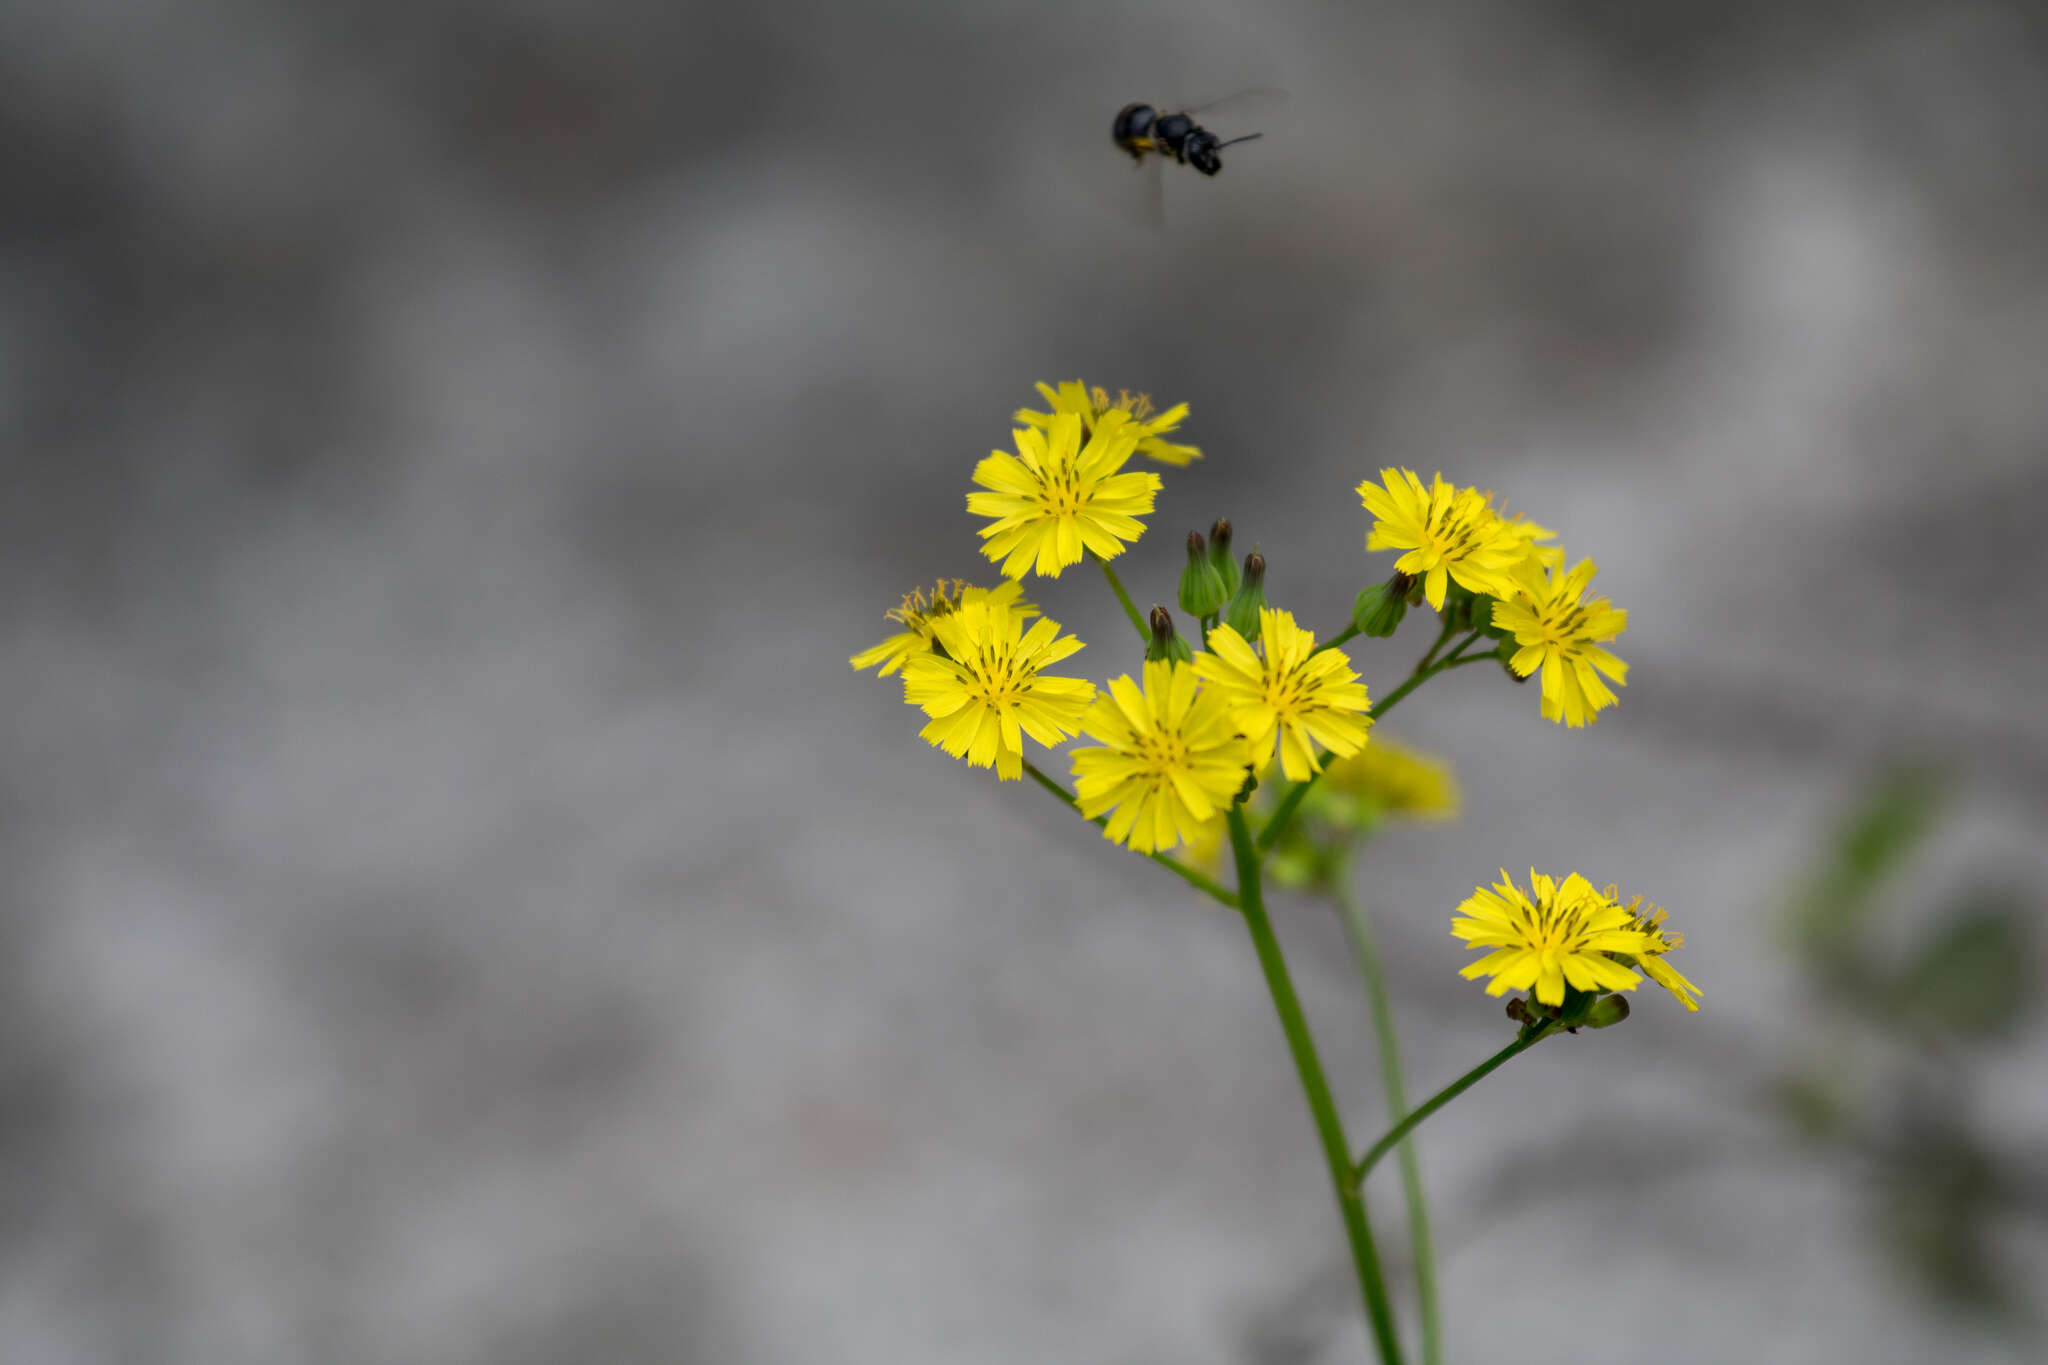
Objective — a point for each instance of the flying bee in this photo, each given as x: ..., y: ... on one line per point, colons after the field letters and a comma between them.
x: 1140, y: 129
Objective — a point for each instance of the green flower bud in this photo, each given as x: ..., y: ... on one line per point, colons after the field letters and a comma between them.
x: 1607, y: 1011
x: 1242, y: 615
x: 1220, y: 556
x: 1379, y: 609
x: 1482, y: 618
x: 1408, y: 586
x: 1201, y: 591
x: 1166, y: 643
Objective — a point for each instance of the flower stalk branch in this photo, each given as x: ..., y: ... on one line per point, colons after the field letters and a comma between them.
x: 1130, y: 607
x: 1372, y: 1282
x: 1174, y: 865
x: 1528, y: 1038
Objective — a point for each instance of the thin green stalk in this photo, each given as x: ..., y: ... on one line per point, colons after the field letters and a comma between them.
x: 1339, y: 638
x: 1322, y: 1107
x: 1528, y: 1038
x: 1130, y: 608
x: 1421, y: 1248
x: 1458, y: 656
x: 1173, y: 865
x: 1441, y: 636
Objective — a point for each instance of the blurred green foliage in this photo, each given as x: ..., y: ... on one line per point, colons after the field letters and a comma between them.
x: 1890, y: 1088
x: 1874, y: 840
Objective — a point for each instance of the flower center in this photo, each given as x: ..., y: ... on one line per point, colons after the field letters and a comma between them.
x: 1287, y: 691
x: 1059, y: 492
x: 997, y: 678
x: 1556, y: 929
x: 1452, y: 533
x: 1160, y: 755
x: 1562, y: 623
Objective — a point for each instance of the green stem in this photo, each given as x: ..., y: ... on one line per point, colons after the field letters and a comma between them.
x: 1527, y: 1039
x: 1322, y: 1108
x: 1173, y: 865
x: 1358, y: 923
x: 1130, y: 608
x: 1339, y: 638
x: 1457, y: 655
x: 1441, y: 636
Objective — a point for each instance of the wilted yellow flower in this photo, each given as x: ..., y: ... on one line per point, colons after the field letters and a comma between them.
x: 986, y: 691
x: 1550, y: 937
x: 1171, y: 760
x: 1649, y: 921
x: 1447, y: 532
x: 1387, y: 778
x: 1056, y: 495
x: 1307, y: 699
x: 1090, y: 404
x: 1557, y: 626
x: 920, y: 609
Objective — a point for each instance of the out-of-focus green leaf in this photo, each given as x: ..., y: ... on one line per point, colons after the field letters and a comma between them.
x: 1974, y: 975
x: 1891, y: 822
x: 1813, y: 1103
x: 1939, y: 1194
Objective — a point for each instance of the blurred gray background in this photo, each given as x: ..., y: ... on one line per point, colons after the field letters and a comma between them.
x: 460, y: 906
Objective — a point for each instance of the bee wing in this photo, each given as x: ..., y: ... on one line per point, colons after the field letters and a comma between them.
x: 1245, y: 104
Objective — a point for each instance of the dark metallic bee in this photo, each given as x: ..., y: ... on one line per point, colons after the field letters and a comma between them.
x: 1139, y: 128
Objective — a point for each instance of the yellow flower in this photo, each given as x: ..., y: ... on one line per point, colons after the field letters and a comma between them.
x: 1392, y: 779
x: 1649, y: 921
x: 986, y: 691
x: 1056, y: 495
x: 1446, y: 531
x: 1557, y: 627
x: 918, y: 611
x: 1171, y: 760
x: 1525, y: 536
x: 1549, y: 938
x: 1089, y: 404
x: 1309, y: 699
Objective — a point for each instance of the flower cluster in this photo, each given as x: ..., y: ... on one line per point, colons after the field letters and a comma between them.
x: 1177, y: 746
x: 1181, y: 755
x: 1559, y: 935
x: 1453, y: 539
